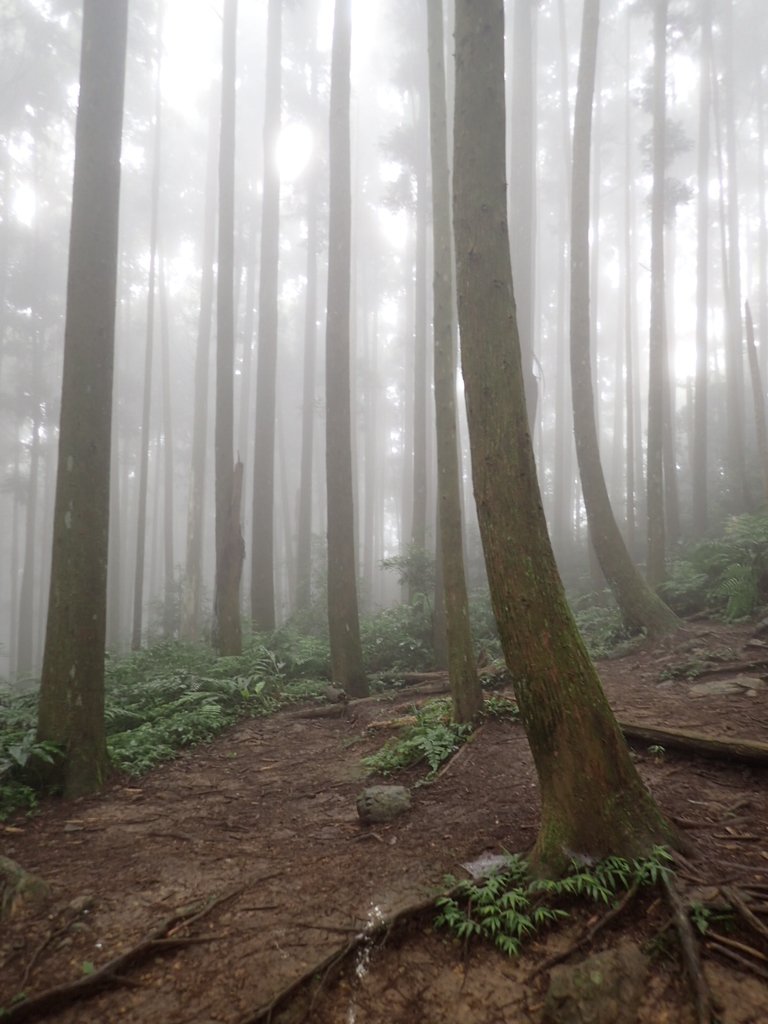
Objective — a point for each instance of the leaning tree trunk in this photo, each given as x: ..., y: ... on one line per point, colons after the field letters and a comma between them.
x: 593, y: 801
x: 230, y: 549
x: 71, y: 701
x: 343, y: 619
x: 466, y: 694
x: 640, y: 607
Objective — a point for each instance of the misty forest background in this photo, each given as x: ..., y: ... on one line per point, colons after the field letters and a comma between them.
x: 716, y: 259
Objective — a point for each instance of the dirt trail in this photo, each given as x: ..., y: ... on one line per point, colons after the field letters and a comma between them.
x: 265, y: 816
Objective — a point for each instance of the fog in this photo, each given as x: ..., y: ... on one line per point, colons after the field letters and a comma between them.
x: 716, y: 258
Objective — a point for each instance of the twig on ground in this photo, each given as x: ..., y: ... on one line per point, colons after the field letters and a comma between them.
x: 460, y: 753
x: 690, y: 951
x: 734, y: 897
x: 159, y: 940
x: 729, y: 954
x: 740, y: 947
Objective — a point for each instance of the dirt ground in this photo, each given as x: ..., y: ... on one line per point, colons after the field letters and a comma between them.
x: 264, y: 821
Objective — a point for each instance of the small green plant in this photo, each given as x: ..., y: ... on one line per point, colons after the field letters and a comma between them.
x: 497, y: 706
x: 432, y: 738
x: 509, y: 907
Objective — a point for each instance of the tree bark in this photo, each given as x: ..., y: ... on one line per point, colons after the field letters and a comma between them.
x: 71, y: 701
x: 593, y: 802
x: 758, y: 399
x: 466, y: 694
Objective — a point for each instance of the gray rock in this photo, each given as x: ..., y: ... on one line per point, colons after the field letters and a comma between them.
x: 606, y: 988
x: 382, y: 803
x: 724, y: 687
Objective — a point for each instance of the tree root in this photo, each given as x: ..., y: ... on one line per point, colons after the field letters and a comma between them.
x: 159, y: 940
x: 587, y: 935
x: 690, y: 951
x: 331, y: 964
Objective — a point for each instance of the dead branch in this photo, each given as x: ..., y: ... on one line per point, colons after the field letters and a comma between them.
x: 740, y: 947
x: 690, y: 951
x: 460, y: 753
x: 745, y: 751
x: 159, y: 940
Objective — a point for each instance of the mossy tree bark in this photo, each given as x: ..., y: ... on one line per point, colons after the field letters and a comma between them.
x: 640, y: 607
x: 466, y: 694
x: 71, y: 702
x: 593, y: 801
x: 343, y: 617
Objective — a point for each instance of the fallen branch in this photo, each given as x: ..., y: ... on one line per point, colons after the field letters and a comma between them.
x: 690, y: 951
x: 159, y: 940
x: 745, y: 751
x: 460, y: 753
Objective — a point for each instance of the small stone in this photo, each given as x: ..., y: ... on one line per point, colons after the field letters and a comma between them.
x: 382, y: 803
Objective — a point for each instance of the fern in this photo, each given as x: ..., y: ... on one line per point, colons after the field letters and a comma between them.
x: 508, y: 908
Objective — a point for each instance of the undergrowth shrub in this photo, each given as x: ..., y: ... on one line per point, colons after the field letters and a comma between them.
x: 727, y: 576
x: 509, y: 907
x: 432, y: 738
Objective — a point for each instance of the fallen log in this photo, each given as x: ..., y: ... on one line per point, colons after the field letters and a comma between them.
x: 749, y: 752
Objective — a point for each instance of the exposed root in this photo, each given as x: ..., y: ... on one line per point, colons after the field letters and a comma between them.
x: 734, y: 898
x: 330, y: 965
x: 588, y: 934
x: 690, y: 951
x: 159, y: 940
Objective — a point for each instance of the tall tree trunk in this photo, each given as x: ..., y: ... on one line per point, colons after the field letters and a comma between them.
x: 304, y: 526
x: 701, y: 393
x: 230, y: 550
x: 169, y: 623
x: 141, y: 522
x: 25, y: 657
x: 263, y: 540
x: 657, y: 349
x: 343, y: 619
x: 592, y: 798
x: 466, y: 695
x: 522, y: 185
x: 736, y: 472
x: 640, y: 607
x: 192, y: 586
x: 419, y: 486
x: 631, y: 402
x: 71, y: 700
x: 758, y: 400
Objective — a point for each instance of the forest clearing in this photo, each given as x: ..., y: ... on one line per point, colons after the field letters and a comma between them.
x: 256, y: 837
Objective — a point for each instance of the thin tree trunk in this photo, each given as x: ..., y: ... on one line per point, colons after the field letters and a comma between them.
x: 343, y: 620
x: 701, y: 394
x: 758, y: 399
x: 263, y: 540
x: 466, y: 694
x: 230, y: 549
x: 657, y: 351
x: 169, y: 623
x: 141, y: 524
x: 640, y: 607
x: 193, y: 576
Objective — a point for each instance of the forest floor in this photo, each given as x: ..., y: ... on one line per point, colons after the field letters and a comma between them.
x: 241, y: 865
